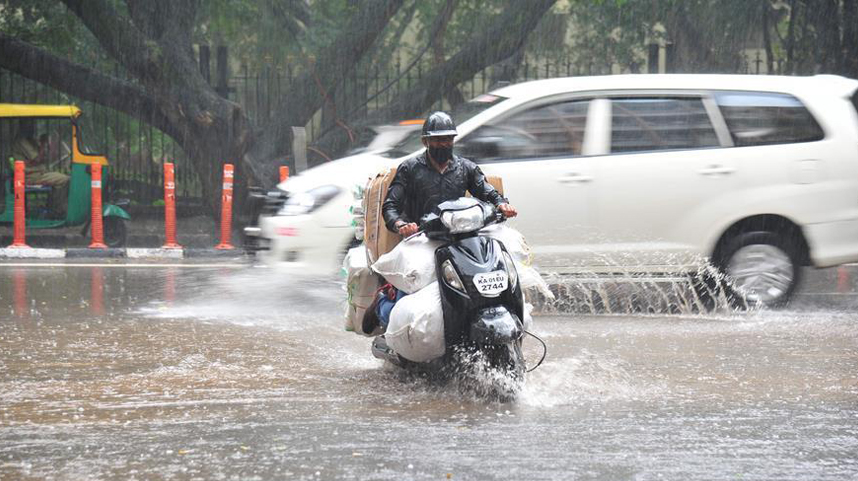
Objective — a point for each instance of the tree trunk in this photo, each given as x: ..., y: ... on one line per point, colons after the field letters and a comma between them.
x: 767, y: 38
x: 451, y: 93
x: 790, y: 39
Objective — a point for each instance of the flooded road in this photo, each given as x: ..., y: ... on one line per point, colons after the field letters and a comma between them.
x: 230, y: 372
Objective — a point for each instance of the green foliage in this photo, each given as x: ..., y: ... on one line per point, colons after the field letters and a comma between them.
x: 50, y: 25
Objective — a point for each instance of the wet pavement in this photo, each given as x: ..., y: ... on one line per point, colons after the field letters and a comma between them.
x: 224, y: 371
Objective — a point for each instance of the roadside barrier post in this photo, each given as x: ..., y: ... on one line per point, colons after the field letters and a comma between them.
x: 284, y: 173
x: 170, y: 207
x: 97, y: 222
x: 226, y: 209
x: 20, y: 236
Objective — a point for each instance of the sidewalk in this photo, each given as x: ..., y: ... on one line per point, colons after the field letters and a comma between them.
x: 197, y: 235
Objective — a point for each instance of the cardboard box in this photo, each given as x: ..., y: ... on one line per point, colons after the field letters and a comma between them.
x: 496, y: 182
x: 378, y: 239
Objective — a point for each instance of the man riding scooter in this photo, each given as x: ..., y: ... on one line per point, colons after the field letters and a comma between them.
x: 419, y: 186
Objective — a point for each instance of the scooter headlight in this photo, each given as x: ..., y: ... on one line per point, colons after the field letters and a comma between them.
x: 465, y: 220
x: 306, y: 202
x: 452, y: 277
x: 511, y: 270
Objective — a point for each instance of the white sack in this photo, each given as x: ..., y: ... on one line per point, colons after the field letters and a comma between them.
x: 522, y: 256
x: 512, y: 240
x: 361, y: 286
x: 416, y: 328
x: 410, y: 266
x: 527, y: 322
x: 355, y: 260
x: 531, y: 280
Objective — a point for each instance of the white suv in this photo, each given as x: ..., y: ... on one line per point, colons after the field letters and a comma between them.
x: 650, y: 173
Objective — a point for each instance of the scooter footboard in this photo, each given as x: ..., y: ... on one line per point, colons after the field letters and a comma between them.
x: 495, y: 325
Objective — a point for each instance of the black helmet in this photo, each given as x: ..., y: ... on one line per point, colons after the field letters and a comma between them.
x: 439, y: 124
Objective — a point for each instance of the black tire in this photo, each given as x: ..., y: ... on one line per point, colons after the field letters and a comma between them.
x: 115, y: 231
x: 773, y: 287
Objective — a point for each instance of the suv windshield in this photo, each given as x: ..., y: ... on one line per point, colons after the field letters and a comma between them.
x: 460, y: 114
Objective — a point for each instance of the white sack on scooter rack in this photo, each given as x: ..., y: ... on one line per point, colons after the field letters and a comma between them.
x: 361, y: 286
x: 410, y: 266
x: 512, y: 240
x: 416, y: 328
x: 530, y: 279
x: 522, y: 256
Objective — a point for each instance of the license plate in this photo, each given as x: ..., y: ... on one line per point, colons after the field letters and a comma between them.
x: 491, y: 284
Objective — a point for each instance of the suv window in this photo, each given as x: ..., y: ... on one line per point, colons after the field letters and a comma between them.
x: 546, y: 131
x: 764, y: 119
x: 643, y: 124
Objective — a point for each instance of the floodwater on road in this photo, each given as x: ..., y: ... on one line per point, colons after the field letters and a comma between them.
x: 192, y: 372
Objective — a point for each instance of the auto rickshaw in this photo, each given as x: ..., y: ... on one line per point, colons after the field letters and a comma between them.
x: 78, y: 209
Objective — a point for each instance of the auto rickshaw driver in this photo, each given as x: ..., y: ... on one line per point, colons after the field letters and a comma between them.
x: 37, y: 155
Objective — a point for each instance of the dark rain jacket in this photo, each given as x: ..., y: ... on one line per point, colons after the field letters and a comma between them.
x: 418, y: 188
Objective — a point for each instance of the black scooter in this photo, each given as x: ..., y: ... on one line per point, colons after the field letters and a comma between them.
x: 481, y: 299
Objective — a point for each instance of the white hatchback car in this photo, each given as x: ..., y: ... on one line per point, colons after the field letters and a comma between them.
x: 639, y: 173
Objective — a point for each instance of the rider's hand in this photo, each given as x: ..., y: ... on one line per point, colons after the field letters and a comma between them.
x: 507, y: 210
x: 408, y: 229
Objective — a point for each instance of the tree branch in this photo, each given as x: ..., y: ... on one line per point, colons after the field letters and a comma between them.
x: 338, y: 59
x: 502, y: 39
x: 119, y: 37
x: 308, y: 92
x: 75, y: 79
x: 497, y: 42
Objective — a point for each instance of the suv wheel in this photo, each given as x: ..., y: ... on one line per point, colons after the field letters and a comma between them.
x: 764, y: 267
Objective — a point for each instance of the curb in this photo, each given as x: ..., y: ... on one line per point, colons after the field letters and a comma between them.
x: 217, y: 253
x: 113, y: 253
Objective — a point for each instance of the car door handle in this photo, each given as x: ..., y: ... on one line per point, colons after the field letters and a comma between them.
x: 575, y: 178
x: 715, y: 170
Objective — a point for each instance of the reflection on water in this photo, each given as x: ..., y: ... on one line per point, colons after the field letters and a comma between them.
x: 240, y: 373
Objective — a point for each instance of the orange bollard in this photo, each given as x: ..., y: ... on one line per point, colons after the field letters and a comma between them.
x: 97, y: 222
x: 226, y: 209
x: 284, y: 173
x: 97, y: 291
x: 170, y: 207
x: 20, y: 235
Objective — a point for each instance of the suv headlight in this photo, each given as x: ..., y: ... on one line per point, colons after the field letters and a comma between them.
x: 465, y: 220
x: 306, y: 202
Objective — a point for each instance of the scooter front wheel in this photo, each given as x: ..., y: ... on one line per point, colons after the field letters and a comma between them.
x: 494, y: 372
x: 508, y: 359
x: 115, y: 231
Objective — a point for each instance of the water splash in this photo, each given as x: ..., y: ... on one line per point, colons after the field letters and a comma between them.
x: 625, y: 291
